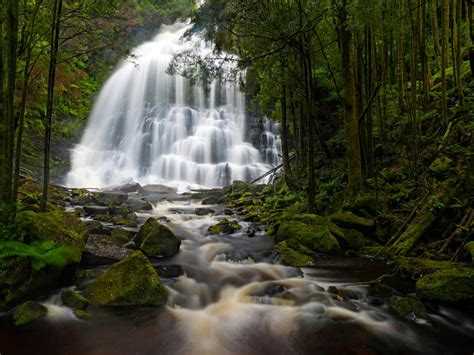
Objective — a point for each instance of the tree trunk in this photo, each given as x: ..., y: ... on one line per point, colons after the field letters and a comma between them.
x: 350, y: 113
x: 471, y: 35
x: 50, y: 98
x: 284, y: 133
x: 434, y: 28
x: 444, y: 62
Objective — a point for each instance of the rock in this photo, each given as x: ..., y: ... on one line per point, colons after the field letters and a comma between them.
x: 129, y: 188
x: 294, y: 257
x: 110, y: 198
x: 129, y: 221
x: 441, y: 165
x: 448, y: 285
x: 313, y: 237
x: 225, y: 227
x: 96, y: 210
x: 169, y: 271
x: 409, y: 308
x: 130, y: 282
x: 82, y: 314
x: 122, y: 211
x: 364, y: 203
x: 212, y: 200
x: 375, y: 301
x: 203, y: 211
x: 74, y: 300
x: 239, y: 187
x: 122, y: 235
x: 28, y: 312
x: 349, y: 220
x: 157, y: 189
x: 352, y: 239
x: 103, y: 250
x: 469, y: 247
x: 95, y: 227
x: 156, y: 239
x: 416, y: 267
x: 135, y: 204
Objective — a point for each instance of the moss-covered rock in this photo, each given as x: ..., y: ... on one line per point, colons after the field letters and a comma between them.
x: 417, y: 267
x: 441, y: 165
x: 82, y: 314
x: 314, y: 237
x: 130, y: 282
x: 157, y: 239
x: 225, y: 226
x: 28, y: 312
x: 74, y: 300
x: 449, y: 285
x: 292, y: 257
x: 349, y: 220
x: 409, y: 308
x: 352, y: 239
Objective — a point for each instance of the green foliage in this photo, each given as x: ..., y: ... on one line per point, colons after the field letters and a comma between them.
x: 41, y: 254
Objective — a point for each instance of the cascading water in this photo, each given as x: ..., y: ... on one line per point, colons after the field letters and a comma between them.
x: 152, y: 127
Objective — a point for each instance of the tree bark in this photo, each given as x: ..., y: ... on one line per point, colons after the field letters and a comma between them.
x: 444, y: 62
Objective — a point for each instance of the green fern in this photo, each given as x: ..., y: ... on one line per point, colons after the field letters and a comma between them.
x: 41, y: 254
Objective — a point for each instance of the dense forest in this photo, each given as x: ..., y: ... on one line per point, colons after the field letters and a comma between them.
x: 374, y: 176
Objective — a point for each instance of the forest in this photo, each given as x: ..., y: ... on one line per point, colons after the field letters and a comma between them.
x: 236, y: 176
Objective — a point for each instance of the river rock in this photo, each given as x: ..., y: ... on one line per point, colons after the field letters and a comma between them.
x: 156, y: 239
x: 136, y: 204
x: 409, y: 308
x: 95, y: 227
x: 103, y: 250
x: 448, y: 285
x: 74, y: 300
x: 169, y: 271
x: 95, y: 210
x: 203, y: 211
x: 157, y: 189
x: 110, y: 198
x: 130, y: 282
x: 28, y: 312
x: 225, y: 226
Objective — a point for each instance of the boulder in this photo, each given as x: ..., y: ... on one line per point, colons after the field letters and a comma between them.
x: 349, y: 220
x: 95, y: 227
x: 225, y: 227
x: 157, y: 189
x: 448, y: 285
x: 82, y: 314
x: 110, y: 198
x: 95, y: 210
x: 292, y: 257
x: 103, y: 250
x: 28, y: 312
x: 317, y: 238
x: 130, y: 282
x: 212, y: 200
x: 122, y: 211
x: 169, y: 270
x: 409, y: 308
x: 203, y: 211
x: 74, y: 300
x: 156, y: 239
x: 136, y: 204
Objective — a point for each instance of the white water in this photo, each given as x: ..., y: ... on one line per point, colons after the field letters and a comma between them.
x: 151, y: 127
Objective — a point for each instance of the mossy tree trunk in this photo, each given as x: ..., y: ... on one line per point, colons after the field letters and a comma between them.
x: 444, y: 62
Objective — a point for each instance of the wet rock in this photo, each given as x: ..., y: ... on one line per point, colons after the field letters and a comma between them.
x: 225, y: 226
x: 102, y: 250
x: 228, y: 212
x: 122, y: 211
x: 157, y: 189
x: 375, y: 301
x: 349, y: 220
x: 95, y: 227
x: 156, y: 239
x: 82, y: 314
x: 448, y: 285
x: 135, y: 204
x: 129, y: 188
x: 28, y: 312
x: 204, y: 211
x: 129, y: 221
x: 86, y: 275
x: 163, y: 219
x: 169, y: 271
x: 292, y: 257
x: 96, y: 210
x: 409, y: 308
x: 74, y: 300
x: 312, y: 237
x: 110, y: 198
x: 381, y: 291
x: 130, y: 282
x: 121, y: 235
x: 212, y: 200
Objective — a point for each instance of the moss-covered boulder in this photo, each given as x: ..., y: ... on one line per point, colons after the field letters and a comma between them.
x: 28, y: 312
x: 292, y: 257
x: 82, y: 314
x: 441, y: 165
x: 409, y: 308
x: 46, y: 258
x: 449, y: 285
x: 225, y: 226
x: 130, y: 282
x: 135, y: 204
x: 313, y: 237
x: 156, y: 239
x: 352, y: 239
x: 416, y: 267
x: 74, y: 300
x: 349, y: 220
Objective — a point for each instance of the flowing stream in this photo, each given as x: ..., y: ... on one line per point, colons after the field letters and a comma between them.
x: 235, y: 298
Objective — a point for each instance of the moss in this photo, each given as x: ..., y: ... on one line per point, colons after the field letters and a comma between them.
x: 292, y: 257
x: 130, y: 282
x: 155, y: 238
x: 408, y: 307
x: 416, y: 267
x: 129, y: 221
x: 448, y: 285
x: 74, y: 300
x: 28, y: 312
x: 441, y: 165
x: 225, y: 226
x: 313, y: 237
x: 469, y: 247
x: 352, y: 239
x: 82, y: 314
x: 351, y: 221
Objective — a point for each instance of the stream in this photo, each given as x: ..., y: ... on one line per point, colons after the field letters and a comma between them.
x: 235, y: 298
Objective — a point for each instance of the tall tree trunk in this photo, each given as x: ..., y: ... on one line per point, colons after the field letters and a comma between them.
x: 457, y: 44
x: 400, y: 58
x: 470, y: 5
x: 444, y: 62
x: 350, y: 113
x: 50, y: 98
x: 434, y: 28
x: 284, y: 133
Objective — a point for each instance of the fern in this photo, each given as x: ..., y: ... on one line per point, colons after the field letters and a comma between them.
x: 41, y: 254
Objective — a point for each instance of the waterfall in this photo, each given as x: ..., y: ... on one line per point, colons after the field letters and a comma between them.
x: 152, y: 127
